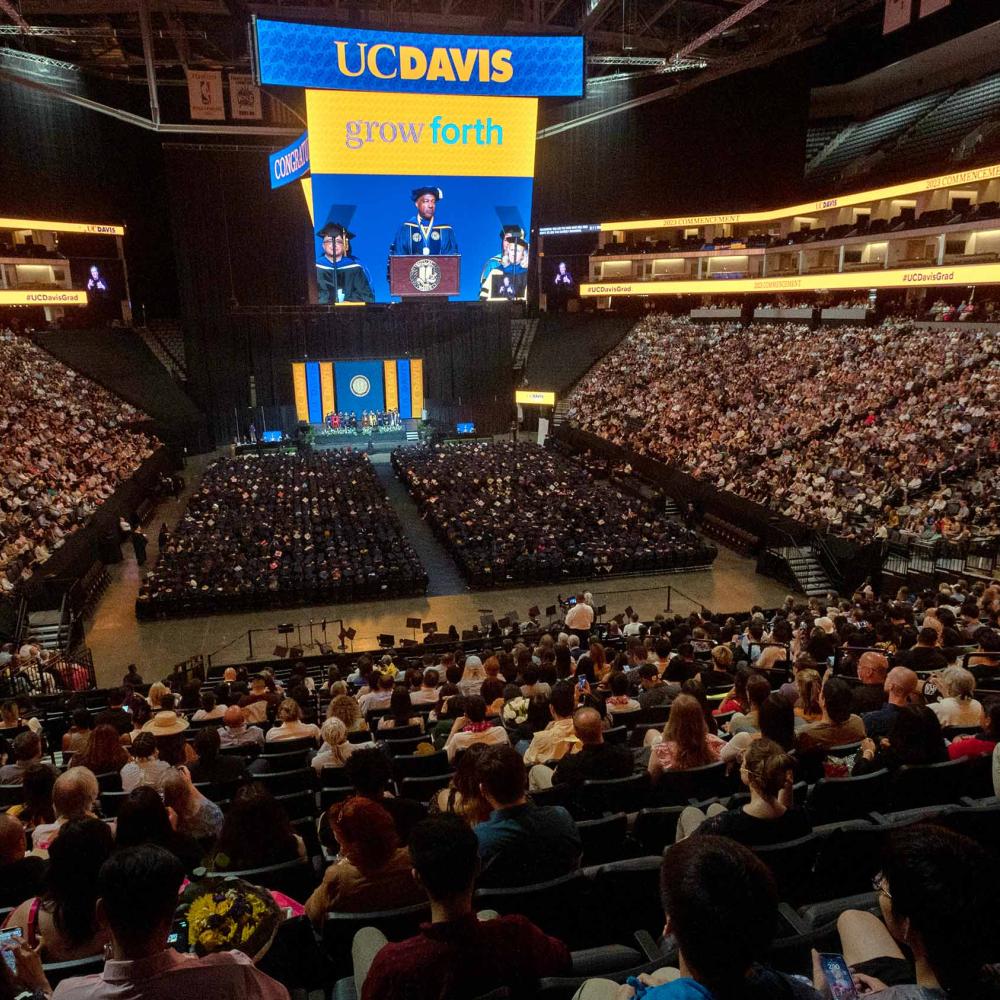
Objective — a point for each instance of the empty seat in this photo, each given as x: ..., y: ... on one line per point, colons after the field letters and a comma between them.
x: 420, y: 765
x: 276, y: 747
x: 695, y: 784
x: 422, y: 789
x: 397, y: 925
x: 626, y: 895
x: 604, y: 839
x: 791, y: 864
x: 834, y: 799
x: 558, y: 906
x: 849, y: 855
x: 929, y: 784
x: 612, y: 795
x: 656, y: 829
x: 286, y: 782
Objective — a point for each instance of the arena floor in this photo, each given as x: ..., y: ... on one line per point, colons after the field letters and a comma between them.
x: 117, y: 639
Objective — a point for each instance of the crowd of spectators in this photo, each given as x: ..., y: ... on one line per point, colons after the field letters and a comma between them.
x: 516, y: 512
x: 524, y: 717
x: 66, y: 444
x: 839, y: 427
x: 283, y: 528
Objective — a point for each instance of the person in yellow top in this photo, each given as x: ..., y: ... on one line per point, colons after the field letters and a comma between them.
x: 558, y: 738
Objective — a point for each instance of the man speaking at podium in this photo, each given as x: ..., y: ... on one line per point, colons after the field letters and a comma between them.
x: 424, y: 235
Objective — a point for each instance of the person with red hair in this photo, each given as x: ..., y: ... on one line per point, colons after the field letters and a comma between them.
x: 373, y: 871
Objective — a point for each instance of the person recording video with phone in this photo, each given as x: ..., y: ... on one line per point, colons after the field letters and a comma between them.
x: 423, y: 234
x: 339, y: 276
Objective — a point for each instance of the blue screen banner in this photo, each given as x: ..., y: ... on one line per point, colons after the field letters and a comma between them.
x: 328, y: 57
x: 290, y: 163
x: 360, y: 386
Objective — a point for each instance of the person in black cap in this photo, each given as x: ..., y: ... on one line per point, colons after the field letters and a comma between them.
x: 512, y: 261
x: 423, y: 234
x: 339, y: 276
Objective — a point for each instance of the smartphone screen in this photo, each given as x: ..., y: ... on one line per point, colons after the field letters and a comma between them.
x: 581, y: 683
x: 178, y: 936
x: 8, y: 938
x: 838, y: 977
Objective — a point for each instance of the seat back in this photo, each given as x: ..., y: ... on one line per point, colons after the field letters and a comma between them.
x: 298, y: 805
x: 979, y: 778
x: 604, y: 839
x: 557, y: 906
x: 791, y: 864
x: 286, y: 782
x: 626, y: 894
x: 420, y: 765
x: 56, y: 972
x: 611, y: 795
x: 275, y: 747
x: 695, y: 783
x: 655, y: 714
x: 422, y: 789
x: 293, y: 760
x: 339, y: 930
x: 848, y: 857
x: 395, y: 733
x: 109, y: 781
x: 929, y: 784
x: 834, y: 799
x: 616, y: 734
x: 333, y: 777
x: 405, y: 747
x: 11, y: 795
x: 110, y: 803
x: 294, y: 878
x: 656, y: 829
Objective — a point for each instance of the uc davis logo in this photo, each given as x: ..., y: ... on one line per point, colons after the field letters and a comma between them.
x: 360, y: 386
x: 425, y: 275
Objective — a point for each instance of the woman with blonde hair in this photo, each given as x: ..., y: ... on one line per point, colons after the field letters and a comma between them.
x: 290, y: 725
x: 957, y: 706
x: 686, y: 741
x: 770, y: 817
x: 336, y: 747
x: 157, y: 692
x: 345, y: 708
x: 808, y: 683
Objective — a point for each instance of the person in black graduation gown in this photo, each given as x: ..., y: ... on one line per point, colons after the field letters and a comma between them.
x: 340, y: 277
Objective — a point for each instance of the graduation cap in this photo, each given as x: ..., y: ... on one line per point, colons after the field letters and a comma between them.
x: 511, y: 224
x: 338, y: 218
x: 419, y: 192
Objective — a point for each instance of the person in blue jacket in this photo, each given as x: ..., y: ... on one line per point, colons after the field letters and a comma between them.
x: 423, y: 234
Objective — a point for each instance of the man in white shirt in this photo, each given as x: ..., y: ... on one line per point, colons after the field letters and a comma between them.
x: 428, y: 693
x: 634, y: 627
x: 579, y: 618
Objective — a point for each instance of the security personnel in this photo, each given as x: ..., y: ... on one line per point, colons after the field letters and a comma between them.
x: 423, y: 234
x: 339, y: 276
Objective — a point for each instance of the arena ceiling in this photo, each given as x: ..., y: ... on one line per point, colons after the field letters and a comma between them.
x: 688, y: 40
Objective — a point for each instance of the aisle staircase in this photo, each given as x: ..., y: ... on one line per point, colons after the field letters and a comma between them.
x: 806, y: 571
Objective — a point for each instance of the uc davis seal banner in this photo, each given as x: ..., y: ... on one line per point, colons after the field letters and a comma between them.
x: 326, y: 57
x: 324, y: 387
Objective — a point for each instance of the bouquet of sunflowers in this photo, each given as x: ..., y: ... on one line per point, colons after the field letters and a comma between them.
x: 227, y: 914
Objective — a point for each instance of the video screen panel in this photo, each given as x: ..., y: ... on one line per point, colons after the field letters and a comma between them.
x: 442, y: 184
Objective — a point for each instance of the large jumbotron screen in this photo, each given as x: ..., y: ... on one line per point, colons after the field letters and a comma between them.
x: 421, y: 151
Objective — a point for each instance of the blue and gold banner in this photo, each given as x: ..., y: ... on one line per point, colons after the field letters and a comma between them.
x: 360, y: 386
x: 391, y: 384
x: 328, y: 57
x: 290, y: 163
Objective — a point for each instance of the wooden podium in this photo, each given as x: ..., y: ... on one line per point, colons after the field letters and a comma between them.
x: 417, y: 277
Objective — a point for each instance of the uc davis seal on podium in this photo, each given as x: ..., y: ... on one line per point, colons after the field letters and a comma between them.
x: 425, y: 275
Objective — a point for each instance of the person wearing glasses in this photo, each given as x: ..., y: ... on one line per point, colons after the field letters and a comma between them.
x: 339, y: 276
x: 936, y: 893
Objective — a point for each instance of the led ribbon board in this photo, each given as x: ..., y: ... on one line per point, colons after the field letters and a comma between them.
x: 418, y: 146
